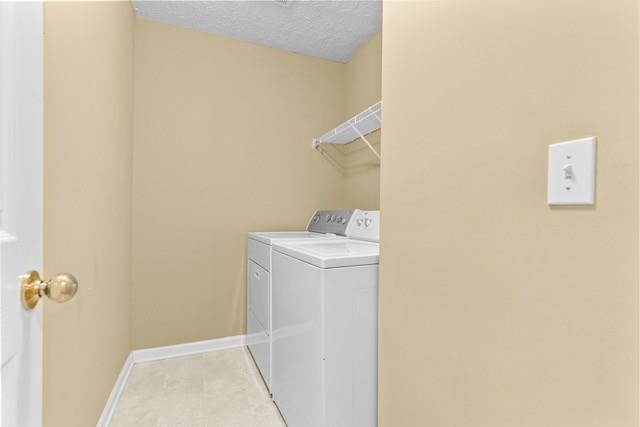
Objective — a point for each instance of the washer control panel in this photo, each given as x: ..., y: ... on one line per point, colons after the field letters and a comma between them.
x: 334, y: 222
x: 365, y: 225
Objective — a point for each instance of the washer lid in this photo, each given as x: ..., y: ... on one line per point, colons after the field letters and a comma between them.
x: 269, y: 236
x: 331, y: 253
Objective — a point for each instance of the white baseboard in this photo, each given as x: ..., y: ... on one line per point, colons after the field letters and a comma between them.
x: 107, y: 412
x: 149, y: 354
x: 158, y: 353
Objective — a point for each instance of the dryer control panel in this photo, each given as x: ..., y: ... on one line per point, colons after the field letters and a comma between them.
x: 365, y: 225
x: 334, y: 222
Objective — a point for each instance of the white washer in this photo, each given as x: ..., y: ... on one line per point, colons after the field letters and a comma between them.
x: 325, y: 328
x: 322, y: 225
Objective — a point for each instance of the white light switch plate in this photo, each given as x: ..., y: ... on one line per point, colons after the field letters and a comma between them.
x: 572, y: 172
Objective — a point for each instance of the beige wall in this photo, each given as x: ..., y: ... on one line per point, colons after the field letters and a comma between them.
x: 222, y: 146
x: 88, y: 135
x: 497, y: 310
x: 363, y: 86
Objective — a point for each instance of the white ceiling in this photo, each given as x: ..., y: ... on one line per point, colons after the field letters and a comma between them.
x: 333, y: 30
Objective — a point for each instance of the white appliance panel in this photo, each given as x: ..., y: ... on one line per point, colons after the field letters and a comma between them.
x: 324, y: 343
x: 267, y: 237
x: 351, y: 346
x: 259, y: 253
x: 332, y: 253
x: 297, y: 380
x: 365, y: 225
x: 258, y: 342
x: 259, y: 293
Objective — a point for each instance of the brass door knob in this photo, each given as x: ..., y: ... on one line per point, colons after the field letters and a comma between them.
x: 59, y: 289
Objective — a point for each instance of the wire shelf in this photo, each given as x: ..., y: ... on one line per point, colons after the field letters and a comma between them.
x: 358, y: 127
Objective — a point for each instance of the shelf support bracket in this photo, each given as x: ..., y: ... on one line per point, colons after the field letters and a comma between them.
x: 366, y: 142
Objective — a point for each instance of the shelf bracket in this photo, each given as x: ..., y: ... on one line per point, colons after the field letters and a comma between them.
x: 366, y: 141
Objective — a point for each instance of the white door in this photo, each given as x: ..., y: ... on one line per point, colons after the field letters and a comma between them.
x: 21, y: 83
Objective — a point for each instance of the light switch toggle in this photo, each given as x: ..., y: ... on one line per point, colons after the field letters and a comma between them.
x: 572, y: 172
x: 568, y: 171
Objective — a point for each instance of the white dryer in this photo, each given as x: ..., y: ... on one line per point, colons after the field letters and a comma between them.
x: 322, y: 225
x: 325, y: 328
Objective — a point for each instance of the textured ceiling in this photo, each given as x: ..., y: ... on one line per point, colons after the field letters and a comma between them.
x: 333, y: 30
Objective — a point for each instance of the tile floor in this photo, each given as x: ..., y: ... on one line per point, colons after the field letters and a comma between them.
x: 218, y: 389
